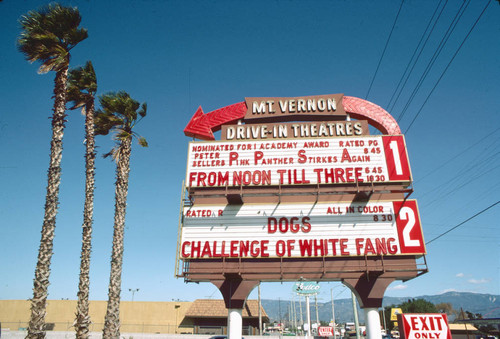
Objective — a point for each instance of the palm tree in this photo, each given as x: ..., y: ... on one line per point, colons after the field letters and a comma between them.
x: 47, y: 36
x: 119, y: 114
x: 82, y: 87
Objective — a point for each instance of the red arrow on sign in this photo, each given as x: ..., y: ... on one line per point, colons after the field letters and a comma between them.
x: 202, y: 125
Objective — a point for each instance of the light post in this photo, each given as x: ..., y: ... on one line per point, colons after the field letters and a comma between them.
x: 333, y: 317
x: 133, y: 290
x: 260, y: 313
x: 383, y: 316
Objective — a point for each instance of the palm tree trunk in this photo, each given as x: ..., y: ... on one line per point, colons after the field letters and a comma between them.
x: 42, y: 271
x: 112, y: 319
x: 82, y: 321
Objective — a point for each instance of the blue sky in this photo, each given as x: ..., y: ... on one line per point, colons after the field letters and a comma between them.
x: 178, y: 55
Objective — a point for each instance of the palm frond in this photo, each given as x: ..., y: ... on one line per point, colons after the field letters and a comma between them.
x: 143, y: 110
x: 82, y: 86
x: 119, y: 114
x: 105, y: 123
x: 142, y: 142
x: 49, y: 34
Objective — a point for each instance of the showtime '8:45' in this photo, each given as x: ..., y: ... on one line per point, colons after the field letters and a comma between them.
x: 374, y: 150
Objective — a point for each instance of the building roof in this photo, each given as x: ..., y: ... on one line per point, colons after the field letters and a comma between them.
x: 210, y: 308
x: 462, y: 327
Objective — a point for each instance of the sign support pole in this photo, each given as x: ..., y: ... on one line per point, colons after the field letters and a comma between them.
x: 372, y: 323
x: 235, y: 323
x: 235, y: 292
x: 355, y: 311
x: 308, y: 312
x: 370, y: 293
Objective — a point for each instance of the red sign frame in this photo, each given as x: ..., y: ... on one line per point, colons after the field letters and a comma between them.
x: 301, y: 230
x: 424, y: 326
x: 264, y: 163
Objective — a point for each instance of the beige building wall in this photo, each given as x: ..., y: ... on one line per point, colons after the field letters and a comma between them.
x: 135, y: 316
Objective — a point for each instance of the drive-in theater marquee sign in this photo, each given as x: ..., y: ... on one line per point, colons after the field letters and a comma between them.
x: 298, y: 162
x: 298, y: 189
x: 301, y: 230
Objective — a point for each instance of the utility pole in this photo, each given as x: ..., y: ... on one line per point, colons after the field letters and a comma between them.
x: 294, y: 313
x: 260, y: 313
x: 383, y: 316
x: 133, y: 292
x: 301, y: 317
x: 317, y: 314
x: 279, y: 310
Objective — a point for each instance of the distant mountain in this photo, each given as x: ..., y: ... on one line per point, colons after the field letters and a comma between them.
x: 486, y: 304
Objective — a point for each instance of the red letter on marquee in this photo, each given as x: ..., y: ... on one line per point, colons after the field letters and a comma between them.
x: 396, y: 158
x: 411, y: 239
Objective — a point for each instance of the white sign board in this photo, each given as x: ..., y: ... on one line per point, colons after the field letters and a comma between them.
x: 377, y: 159
x: 325, y: 331
x: 301, y: 230
x: 306, y: 288
x: 424, y: 326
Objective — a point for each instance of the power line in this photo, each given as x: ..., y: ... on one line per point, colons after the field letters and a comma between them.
x: 463, y: 222
x: 418, y: 56
x: 385, y: 48
x: 465, y: 172
x: 442, y: 74
x: 484, y: 160
x: 456, y: 156
x: 434, y: 57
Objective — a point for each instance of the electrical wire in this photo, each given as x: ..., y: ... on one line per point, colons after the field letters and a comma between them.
x: 414, y: 52
x: 420, y: 53
x: 456, y: 156
x: 385, y: 48
x: 466, y: 171
x: 448, y: 66
x: 461, y: 186
x: 482, y: 162
x: 434, y: 57
x: 445, y: 193
x: 463, y: 222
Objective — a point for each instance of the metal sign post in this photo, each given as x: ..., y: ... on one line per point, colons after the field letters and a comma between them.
x: 307, y: 289
x: 308, y: 312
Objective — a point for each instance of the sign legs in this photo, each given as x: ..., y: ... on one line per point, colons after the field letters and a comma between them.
x: 372, y: 323
x: 369, y: 291
x: 235, y: 292
x: 234, y: 323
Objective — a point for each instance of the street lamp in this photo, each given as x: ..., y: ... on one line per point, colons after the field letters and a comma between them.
x: 333, y: 317
x: 133, y: 292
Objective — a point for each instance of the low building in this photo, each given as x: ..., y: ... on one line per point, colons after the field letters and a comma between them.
x: 463, y: 331
x: 208, y: 316
x: 135, y: 316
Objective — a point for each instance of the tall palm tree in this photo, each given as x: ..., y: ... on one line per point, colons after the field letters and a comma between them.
x: 47, y: 36
x: 82, y: 87
x: 119, y: 114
